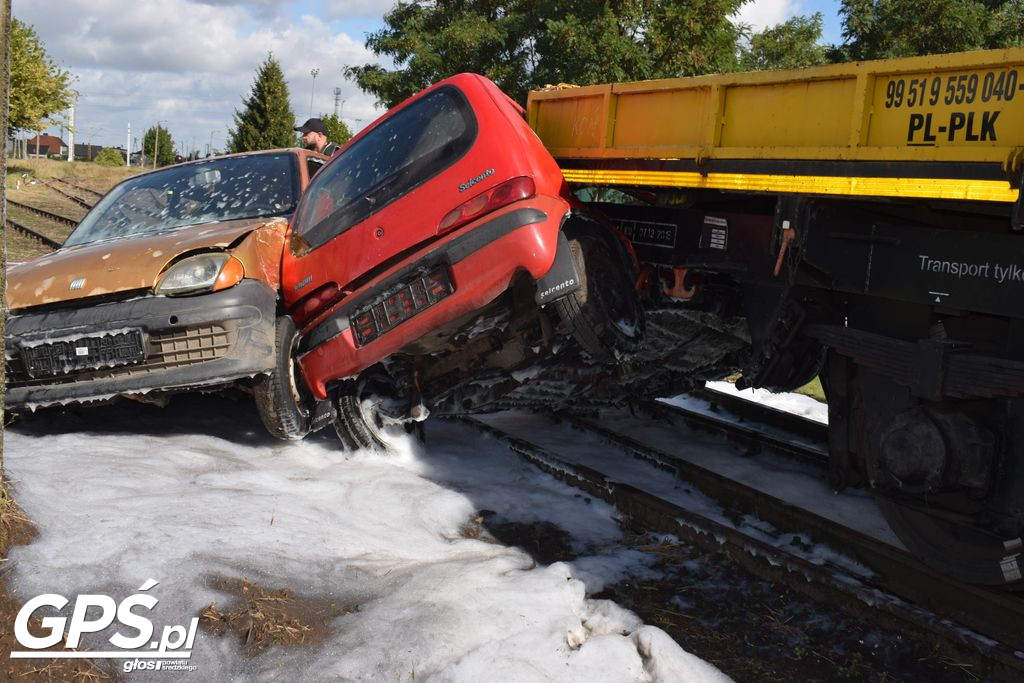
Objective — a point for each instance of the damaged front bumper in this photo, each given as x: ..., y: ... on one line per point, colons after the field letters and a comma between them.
x: 151, y: 343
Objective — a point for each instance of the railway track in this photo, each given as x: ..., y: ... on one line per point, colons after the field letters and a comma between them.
x: 52, y: 243
x: 751, y: 425
x: 869, y: 577
x: 81, y: 188
x: 73, y: 197
x: 55, y: 217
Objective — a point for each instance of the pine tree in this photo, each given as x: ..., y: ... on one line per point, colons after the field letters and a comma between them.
x: 267, y: 121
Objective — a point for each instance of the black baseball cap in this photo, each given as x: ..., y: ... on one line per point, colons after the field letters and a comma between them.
x: 312, y: 126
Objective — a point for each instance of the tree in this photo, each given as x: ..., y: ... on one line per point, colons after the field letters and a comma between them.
x: 337, y: 131
x: 789, y: 45
x: 39, y: 88
x: 267, y: 121
x: 108, y: 156
x: 164, y: 145
x: 523, y: 44
x: 5, y: 88
x: 878, y: 29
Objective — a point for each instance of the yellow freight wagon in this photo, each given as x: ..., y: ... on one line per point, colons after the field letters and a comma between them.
x: 946, y: 126
x: 858, y: 222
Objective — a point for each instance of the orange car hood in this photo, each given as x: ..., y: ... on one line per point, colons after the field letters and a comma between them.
x: 117, y: 265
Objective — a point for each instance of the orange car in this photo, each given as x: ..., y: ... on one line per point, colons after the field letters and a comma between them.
x: 171, y: 282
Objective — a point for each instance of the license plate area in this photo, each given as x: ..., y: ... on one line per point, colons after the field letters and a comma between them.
x: 399, y: 303
x: 650, y: 233
x: 65, y: 356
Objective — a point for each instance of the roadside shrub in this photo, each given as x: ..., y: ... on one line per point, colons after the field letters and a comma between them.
x: 108, y: 156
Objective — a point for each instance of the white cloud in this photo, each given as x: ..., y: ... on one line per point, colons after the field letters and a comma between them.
x: 360, y: 8
x: 761, y: 14
x: 190, y: 63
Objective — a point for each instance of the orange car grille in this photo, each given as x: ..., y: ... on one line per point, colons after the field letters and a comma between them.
x: 165, y: 349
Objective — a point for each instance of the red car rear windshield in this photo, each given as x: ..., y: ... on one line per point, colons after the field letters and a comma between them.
x: 404, y: 150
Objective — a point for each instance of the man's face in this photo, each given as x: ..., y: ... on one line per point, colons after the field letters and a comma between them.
x: 313, y: 140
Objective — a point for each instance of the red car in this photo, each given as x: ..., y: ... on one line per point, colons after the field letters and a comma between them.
x: 440, y: 251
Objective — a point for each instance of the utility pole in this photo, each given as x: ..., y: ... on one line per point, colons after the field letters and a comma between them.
x: 312, y: 89
x: 71, y: 128
x: 156, y: 143
x: 128, y: 146
x: 89, y: 153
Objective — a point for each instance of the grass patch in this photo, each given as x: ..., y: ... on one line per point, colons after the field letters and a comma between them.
x: 75, y: 171
x: 262, y: 617
x: 814, y: 390
x: 15, y: 528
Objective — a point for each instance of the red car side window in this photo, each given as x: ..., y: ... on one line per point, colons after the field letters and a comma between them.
x: 403, y: 151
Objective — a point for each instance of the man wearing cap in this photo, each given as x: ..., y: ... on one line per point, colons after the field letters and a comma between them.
x: 314, y: 137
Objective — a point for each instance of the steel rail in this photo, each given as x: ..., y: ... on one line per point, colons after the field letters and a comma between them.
x: 76, y: 199
x: 764, y: 415
x: 893, y: 599
x: 751, y: 434
x: 55, y: 217
x: 54, y: 244
x: 80, y: 188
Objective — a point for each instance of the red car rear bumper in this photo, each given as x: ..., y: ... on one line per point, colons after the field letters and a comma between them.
x: 481, y: 259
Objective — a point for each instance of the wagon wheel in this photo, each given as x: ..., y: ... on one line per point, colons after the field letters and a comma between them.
x: 954, y: 547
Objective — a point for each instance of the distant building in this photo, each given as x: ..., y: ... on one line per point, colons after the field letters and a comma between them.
x: 86, y: 152
x: 42, y: 146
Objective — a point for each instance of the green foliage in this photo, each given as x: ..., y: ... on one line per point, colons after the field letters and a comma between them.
x: 39, y: 88
x: 164, y: 145
x: 108, y: 156
x: 789, y: 45
x: 267, y: 122
x: 878, y: 29
x: 1008, y: 25
x: 524, y: 44
x: 337, y: 131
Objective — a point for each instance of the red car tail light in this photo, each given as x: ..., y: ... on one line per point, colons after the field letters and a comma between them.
x: 485, y: 202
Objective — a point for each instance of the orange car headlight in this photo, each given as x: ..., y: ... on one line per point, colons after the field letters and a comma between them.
x: 198, y: 274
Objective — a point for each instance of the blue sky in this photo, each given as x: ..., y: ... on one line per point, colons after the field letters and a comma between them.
x: 830, y: 11
x: 189, y: 63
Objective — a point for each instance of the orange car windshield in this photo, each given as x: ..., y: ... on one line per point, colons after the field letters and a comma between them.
x: 221, y: 189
